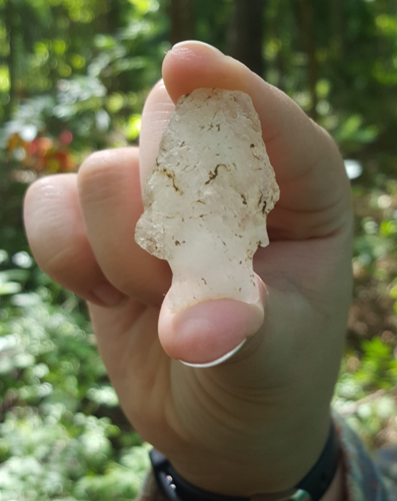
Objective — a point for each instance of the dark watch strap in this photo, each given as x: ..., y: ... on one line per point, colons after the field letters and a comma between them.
x: 311, y: 488
x: 319, y: 478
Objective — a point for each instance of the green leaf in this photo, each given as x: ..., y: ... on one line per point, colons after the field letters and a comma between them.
x: 133, y: 127
x: 9, y: 288
x: 15, y: 275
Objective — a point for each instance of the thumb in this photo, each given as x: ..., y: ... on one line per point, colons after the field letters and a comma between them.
x: 210, y: 332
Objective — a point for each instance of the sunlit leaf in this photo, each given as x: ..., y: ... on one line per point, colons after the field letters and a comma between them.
x: 4, y: 79
x: 133, y: 127
x: 9, y: 288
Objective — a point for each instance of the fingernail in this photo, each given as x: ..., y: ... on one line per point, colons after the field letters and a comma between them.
x: 219, y: 360
x: 196, y: 43
x: 108, y: 294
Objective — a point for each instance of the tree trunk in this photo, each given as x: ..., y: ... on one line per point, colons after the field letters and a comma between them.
x: 11, y: 23
x: 337, y: 17
x: 246, y: 32
x: 181, y: 13
x: 309, y: 40
x: 277, y: 28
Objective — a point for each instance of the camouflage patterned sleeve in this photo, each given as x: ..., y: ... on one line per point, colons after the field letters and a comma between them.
x: 366, y: 477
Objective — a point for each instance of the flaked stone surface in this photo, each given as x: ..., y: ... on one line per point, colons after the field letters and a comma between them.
x: 207, y: 198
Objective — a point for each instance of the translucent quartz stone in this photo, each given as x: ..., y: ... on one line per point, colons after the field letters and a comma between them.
x: 207, y: 198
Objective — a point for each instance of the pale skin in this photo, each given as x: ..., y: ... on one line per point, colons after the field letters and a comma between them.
x: 257, y: 423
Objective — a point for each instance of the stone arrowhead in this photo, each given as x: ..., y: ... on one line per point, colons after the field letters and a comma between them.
x: 207, y: 198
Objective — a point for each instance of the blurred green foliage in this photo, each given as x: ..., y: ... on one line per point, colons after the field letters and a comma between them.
x: 62, y: 435
x: 74, y: 75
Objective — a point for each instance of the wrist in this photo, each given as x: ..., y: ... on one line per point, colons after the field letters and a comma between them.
x: 324, y: 482
x: 269, y: 457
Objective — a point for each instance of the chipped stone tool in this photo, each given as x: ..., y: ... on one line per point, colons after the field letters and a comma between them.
x: 207, y: 198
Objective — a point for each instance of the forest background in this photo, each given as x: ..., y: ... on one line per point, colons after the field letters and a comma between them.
x: 74, y: 75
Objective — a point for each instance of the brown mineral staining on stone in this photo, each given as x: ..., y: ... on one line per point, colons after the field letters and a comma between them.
x: 207, y: 198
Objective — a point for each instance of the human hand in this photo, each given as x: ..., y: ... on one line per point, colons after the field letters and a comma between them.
x: 258, y: 422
